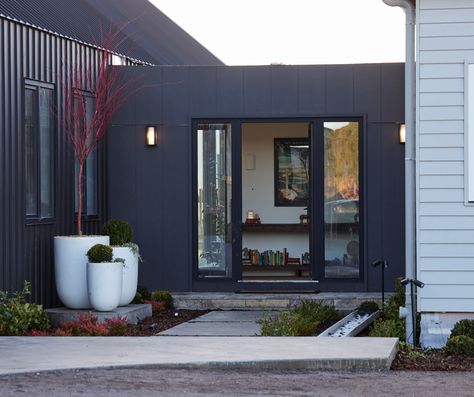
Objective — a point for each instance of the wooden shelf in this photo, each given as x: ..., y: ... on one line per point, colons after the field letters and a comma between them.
x: 276, y: 227
x: 281, y: 268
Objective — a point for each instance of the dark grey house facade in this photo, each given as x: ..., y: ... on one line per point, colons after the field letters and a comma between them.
x: 158, y: 189
x: 217, y: 158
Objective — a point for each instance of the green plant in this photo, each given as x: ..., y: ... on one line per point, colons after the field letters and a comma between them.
x: 303, y: 320
x: 138, y: 298
x: 460, y: 344
x: 389, y: 328
x: 135, y: 250
x: 17, y: 316
x: 100, y: 253
x: 464, y: 327
x: 368, y: 307
x: 117, y: 326
x: 120, y: 232
x: 163, y: 296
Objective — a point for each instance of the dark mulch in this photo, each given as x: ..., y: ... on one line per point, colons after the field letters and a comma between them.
x: 162, y: 320
x: 431, y: 360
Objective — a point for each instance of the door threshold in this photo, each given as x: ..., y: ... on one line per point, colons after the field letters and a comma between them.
x: 279, y: 281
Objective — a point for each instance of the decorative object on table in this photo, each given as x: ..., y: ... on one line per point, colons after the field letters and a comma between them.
x: 252, y: 218
x: 305, y: 260
x: 120, y: 233
x: 304, y: 218
x: 291, y: 172
x: 104, y: 278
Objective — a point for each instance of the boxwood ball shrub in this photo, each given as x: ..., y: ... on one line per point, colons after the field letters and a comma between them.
x: 463, y: 327
x: 100, y: 253
x: 367, y: 307
x: 120, y: 232
x: 460, y: 344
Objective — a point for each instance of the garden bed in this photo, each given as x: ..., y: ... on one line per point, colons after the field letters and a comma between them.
x: 431, y: 360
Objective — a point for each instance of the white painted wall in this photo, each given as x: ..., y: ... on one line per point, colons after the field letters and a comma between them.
x: 445, y: 235
x: 258, y: 187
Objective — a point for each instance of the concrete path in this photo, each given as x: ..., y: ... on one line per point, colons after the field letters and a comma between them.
x: 221, y: 323
x: 34, y: 354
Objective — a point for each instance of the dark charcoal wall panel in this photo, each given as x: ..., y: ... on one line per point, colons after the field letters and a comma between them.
x: 203, y: 91
x: 149, y: 90
x: 160, y: 193
x: 257, y: 90
x: 340, y: 89
x: 230, y: 90
x: 392, y: 92
x: 312, y: 89
x: 26, y: 250
x: 284, y: 89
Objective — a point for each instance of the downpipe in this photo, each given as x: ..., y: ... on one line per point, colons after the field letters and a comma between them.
x: 410, y: 162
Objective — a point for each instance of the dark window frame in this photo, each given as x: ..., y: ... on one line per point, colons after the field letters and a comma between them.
x: 35, y: 86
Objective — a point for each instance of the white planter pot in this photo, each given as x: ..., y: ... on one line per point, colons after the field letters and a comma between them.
x: 130, y: 274
x: 70, y: 264
x: 104, y: 281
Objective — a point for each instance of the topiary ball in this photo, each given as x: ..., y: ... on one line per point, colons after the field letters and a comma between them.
x: 120, y: 232
x: 100, y: 253
x: 463, y: 327
x: 461, y: 344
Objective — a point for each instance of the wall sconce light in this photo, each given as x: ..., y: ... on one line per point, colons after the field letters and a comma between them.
x: 151, y: 135
x: 402, y: 133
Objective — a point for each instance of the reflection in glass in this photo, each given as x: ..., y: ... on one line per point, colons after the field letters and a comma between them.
x: 341, y: 199
x: 30, y: 157
x: 214, y: 200
x: 46, y: 147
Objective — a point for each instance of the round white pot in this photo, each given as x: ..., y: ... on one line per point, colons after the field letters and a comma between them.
x: 104, y: 281
x: 130, y: 273
x: 70, y: 265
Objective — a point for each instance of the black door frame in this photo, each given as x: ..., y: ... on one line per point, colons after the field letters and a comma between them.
x: 315, y: 209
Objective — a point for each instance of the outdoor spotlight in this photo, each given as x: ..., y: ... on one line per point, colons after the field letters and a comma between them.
x: 418, y: 283
x: 402, y: 133
x: 405, y: 282
x: 151, y: 135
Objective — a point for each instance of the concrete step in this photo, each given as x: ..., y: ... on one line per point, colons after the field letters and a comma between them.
x: 344, y: 301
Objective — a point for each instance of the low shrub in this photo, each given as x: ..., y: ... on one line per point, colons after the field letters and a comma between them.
x: 368, y: 307
x: 163, y: 296
x: 117, y: 326
x: 461, y: 345
x: 303, y: 320
x: 390, y: 328
x: 87, y: 325
x: 138, y: 299
x: 463, y: 327
x: 100, y: 253
x: 156, y: 306
x: 120, y: 232
x: 19, y: 317
x: 143, y: 293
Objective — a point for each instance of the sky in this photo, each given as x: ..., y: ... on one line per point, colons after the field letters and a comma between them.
x: 261, y: 32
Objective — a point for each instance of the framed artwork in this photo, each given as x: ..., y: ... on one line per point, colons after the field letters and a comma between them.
x: 291, y: 172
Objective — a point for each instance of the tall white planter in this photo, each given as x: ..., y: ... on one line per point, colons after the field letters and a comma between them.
x: 70, y: 264
x: 104, y: 281
x: 130, y: 273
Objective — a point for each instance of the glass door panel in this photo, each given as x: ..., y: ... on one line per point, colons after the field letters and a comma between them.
x: 214, y: 193
x: 341, y: 200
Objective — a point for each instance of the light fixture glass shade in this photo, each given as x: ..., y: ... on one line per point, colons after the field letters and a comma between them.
x: 402, y: 133
x: 151, y: 136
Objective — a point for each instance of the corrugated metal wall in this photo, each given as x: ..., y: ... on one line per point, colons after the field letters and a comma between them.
x: 26, y: 251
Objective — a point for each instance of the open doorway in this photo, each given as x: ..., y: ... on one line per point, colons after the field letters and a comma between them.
x: 275, y: 199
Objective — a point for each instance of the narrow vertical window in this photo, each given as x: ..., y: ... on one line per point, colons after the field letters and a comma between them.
x: 89, y: 187
x: 38, y: 141
x: 469, y: 132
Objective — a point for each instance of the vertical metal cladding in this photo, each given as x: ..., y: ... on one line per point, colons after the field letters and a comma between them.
x: 26, y: 250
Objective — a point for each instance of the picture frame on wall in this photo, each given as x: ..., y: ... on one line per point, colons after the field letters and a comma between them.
x: 291, y: 172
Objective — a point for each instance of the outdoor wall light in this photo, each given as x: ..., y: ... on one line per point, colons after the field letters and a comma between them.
x: 402, y: 133
x: 250, y: 162
x: 151, y: 135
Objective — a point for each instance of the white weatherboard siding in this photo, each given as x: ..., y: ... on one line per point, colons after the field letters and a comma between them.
x: 445, y: 246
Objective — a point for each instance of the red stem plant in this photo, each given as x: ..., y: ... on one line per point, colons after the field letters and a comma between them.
x: 108, y: 90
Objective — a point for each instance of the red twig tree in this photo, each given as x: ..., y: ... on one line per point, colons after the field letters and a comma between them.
x: 108, y: 91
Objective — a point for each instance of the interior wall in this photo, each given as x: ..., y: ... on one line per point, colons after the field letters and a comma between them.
x: 258, y: 186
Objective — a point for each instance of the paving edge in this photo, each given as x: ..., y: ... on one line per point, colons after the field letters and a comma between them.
x: 357, y: 364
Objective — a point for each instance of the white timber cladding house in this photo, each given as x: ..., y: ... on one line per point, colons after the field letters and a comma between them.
x: 445, y: 166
